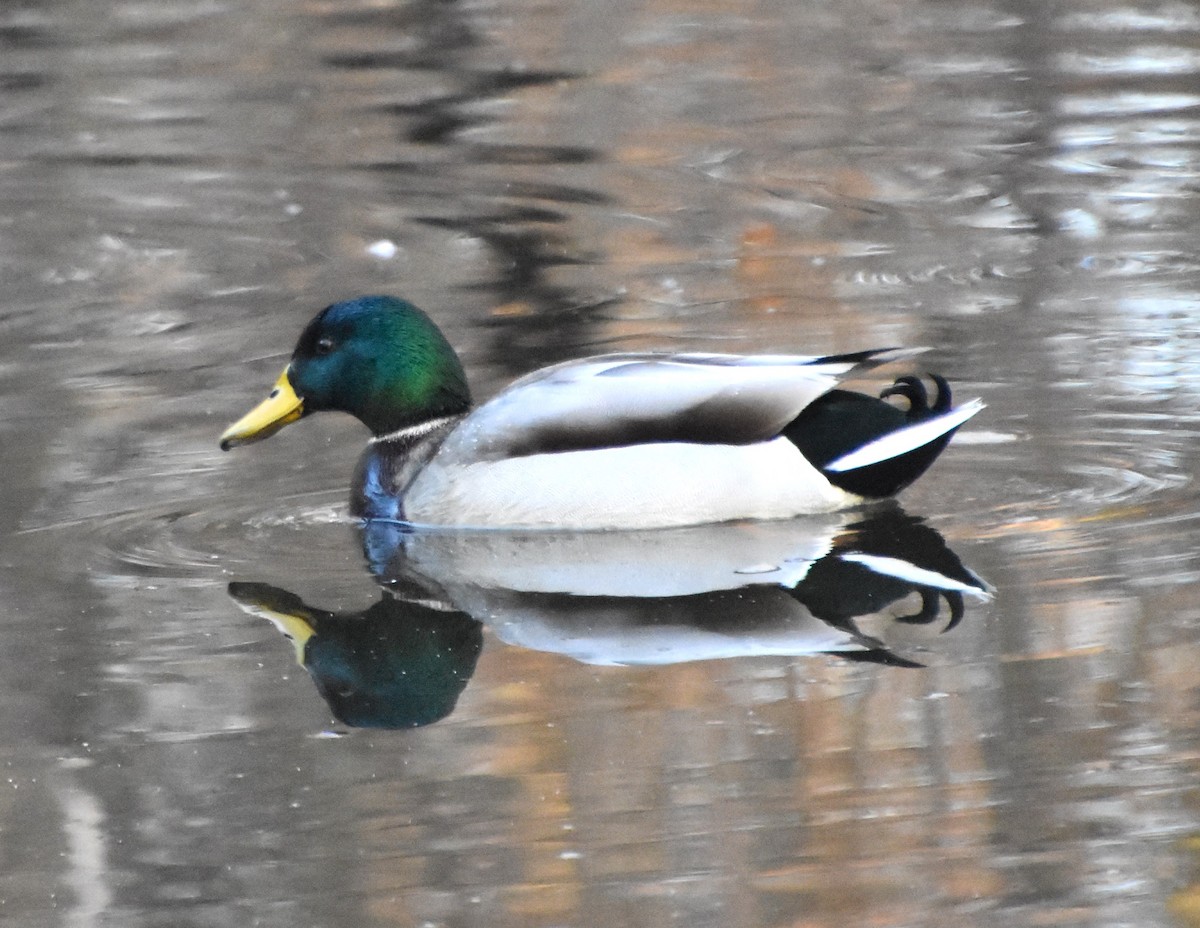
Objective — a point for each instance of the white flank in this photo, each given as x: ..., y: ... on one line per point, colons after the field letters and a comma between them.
x: 638, y: 486
x: 904, y: 440
x: 903, y: 570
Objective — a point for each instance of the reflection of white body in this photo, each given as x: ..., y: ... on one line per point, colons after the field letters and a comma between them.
x: 667, y: 562
x: 774, y: 624
x: 654, y: 597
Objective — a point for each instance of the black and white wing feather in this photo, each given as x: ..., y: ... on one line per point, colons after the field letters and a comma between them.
x: 631, y: 399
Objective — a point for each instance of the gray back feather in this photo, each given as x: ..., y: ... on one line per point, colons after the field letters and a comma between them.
x: 618, y: 400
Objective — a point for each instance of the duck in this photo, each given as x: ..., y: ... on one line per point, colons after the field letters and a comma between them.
x: 615, y: 441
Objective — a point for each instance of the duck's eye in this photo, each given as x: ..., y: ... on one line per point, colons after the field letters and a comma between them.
x: 324, y: 345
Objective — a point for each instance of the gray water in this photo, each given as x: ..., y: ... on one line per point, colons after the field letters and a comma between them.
x: 1015, y: 184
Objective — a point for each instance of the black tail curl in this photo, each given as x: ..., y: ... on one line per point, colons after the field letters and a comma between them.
x: 913, y: 389
x: 842, y: 420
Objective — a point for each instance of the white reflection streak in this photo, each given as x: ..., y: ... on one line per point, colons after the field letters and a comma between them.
x: 1151, y: 59
x: 86, y: 864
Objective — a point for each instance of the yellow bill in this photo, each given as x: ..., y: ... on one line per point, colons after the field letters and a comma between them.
x: 280, y: 408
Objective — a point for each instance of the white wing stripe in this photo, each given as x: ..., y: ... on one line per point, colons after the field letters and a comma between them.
x: 904, y: 440
x: 903, y: 570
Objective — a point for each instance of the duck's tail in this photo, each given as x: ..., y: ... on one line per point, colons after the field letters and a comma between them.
x: 871, y: 448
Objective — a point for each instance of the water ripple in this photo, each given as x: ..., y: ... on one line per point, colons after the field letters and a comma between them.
x: 222, y: 537
x: 1108, y: 484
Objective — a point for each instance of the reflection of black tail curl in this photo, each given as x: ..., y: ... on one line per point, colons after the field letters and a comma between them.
x: 931, y: 608
x: 851, y: 580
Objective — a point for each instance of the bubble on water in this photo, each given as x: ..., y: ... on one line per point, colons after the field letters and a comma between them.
x: 384, y: 249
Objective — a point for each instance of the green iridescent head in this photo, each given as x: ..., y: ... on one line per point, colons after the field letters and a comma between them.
x: 378, y: 358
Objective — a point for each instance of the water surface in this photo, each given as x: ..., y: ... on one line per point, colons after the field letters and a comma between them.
x: 1013, y: 184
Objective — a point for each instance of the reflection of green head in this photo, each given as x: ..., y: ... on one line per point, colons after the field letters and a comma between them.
x: 397, y: 665
x: 380, y: 359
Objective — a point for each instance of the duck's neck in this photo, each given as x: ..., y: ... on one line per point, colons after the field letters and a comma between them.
x: 391, y: 462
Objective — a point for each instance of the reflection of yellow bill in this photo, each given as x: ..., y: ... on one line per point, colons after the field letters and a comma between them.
x: 280, y: 408
x: 263, y: 601
x: 295, y: 629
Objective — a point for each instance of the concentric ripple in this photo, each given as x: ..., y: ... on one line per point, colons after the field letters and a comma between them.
x: 292, y: 534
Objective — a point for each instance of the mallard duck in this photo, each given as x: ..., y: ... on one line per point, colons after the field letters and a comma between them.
x: 614, y: 441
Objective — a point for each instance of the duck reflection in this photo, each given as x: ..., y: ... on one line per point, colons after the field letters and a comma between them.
x: 395, y: 664
x: 627, y: 598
